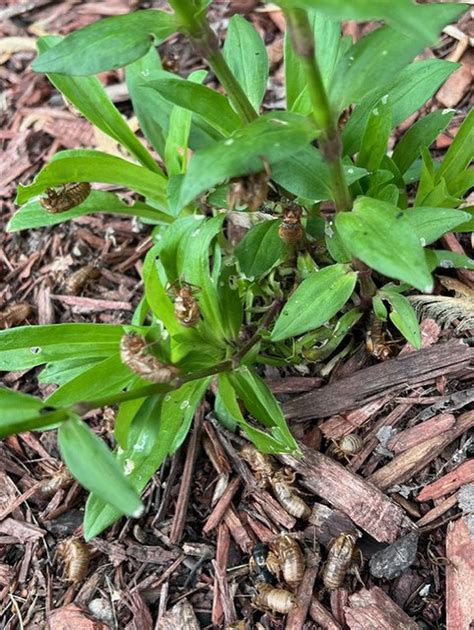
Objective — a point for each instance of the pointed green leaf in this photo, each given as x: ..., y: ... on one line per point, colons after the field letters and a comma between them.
x: 404, y: 318
x: 33, y: 215
x: 315, y: 301
x: 376, y: 135
x: 260, y: 249
x: 246, y: 56
x: 107, y: 44
x: 432, y: 223
x: 25, y: 347
x: 87, y: 165
x: 93, y: 465
x: 421, y: 134
x: 271, y: 138
x: 382, y: 236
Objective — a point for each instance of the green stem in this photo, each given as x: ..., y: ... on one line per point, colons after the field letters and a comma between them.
x: 329, y: 140
x: 206, y: 44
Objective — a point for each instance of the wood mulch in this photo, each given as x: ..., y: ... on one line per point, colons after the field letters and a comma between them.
x: 407, y: 497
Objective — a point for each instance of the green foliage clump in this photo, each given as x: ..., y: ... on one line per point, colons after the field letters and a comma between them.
x: 302, y: 277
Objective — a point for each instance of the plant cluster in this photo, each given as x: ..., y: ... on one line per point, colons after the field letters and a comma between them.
x: 339, y: 227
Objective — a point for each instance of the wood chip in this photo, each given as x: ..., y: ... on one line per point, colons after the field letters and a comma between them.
x: 459, y: 576
x: 322, y: 617
x: 404, y: 466
x: 73, y: 616
x: 326, y: 524
x: 373, y: 608
x: 25, y: 532
x: 221, y: 506
x: 369, y: 508
x: 437, y: 511
x: 461, y: 475
x: 420, y: 433
x: 370, y: 383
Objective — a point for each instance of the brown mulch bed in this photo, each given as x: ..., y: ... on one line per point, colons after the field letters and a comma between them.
x: 407, y: 497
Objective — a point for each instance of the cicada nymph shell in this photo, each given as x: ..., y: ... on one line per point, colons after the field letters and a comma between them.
x: 186, y: 308
x: 78, y: 279
x: 287, y: 496
x: 340, y: 557
x: 76, y: 556
x: 134, y: 352
x: 376, y: 342
x: 291, y: 230
x: 249, y: 190
x: 347, y: 446
x: 261, y: 464
x: 274, y: 599
x: 14, y: 314
x: 291, y: 559
x: 67, y: 197
x: 60, y: 480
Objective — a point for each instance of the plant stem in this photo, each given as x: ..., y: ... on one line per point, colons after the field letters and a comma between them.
x: 161, y: 388
x: 329, y: 141
x: 206, y: 44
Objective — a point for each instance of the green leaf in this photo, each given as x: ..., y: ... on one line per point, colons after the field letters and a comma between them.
x: 370, y: 64
x: 315, y: 301
x: 157, y: 298
x: 147, y: 104
x: 33, y: 215
x: 404, y: 318
x: 193, y: 267
x: 107, y: 44
x: 246, y: 56
x: 460, y: 153
x: 15, y: 409
x: 421, y: 134
x: 61, y: 372
x: 423, y: 22
x: 432, y: 223
x: 462, y: 182
x: 21, y: 413
x: 262, y: 405
x: 260, y: 249
x: 176, y: 149
x: 269, y: 138
x: 94, y: 467
x: 154, y: 432
x: 230, y: 302
x: 469, y: 225
x: 327, y: 34
x: 212, y: 106
x: 306, y: 174
x: 408, y: 91
x: 25, y: 347
x: 87, y: 165
x: 376, y: 135
x: 88, y: 95
x: 382, y: 236
x: 104, y: 378
x: 229, y: 407
x: 448, y: 260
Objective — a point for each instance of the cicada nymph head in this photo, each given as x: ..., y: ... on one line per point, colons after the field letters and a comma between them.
x: 67, y: 197
x: 134, y: 352
x: 262, y: 465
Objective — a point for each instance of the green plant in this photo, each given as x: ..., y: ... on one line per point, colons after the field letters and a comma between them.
x: 278, y: 297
